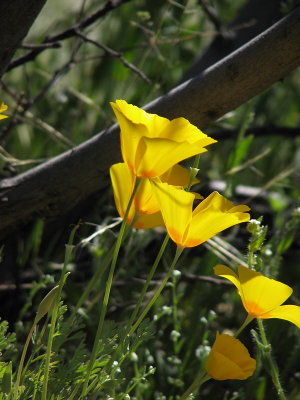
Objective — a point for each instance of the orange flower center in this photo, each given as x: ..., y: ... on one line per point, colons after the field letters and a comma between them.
x: 176, y: 236
x: 147, y: 174
x: 193, y: 242
x: 254, y: 309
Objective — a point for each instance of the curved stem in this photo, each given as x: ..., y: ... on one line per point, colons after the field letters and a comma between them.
x: 141, y: 297
x: 68, y: 255
x: 100, y: 269
x: 247, y: 321
x: 20, y: 369
x: 152, y: 301
x: 157, y: 292
x: 195, y: 386
x: 146, y: 284
x: 108, y: 289
x: 93, y: 281
x: 267, y: 354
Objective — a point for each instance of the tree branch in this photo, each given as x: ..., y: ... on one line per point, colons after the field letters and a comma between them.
x: 59, y: 184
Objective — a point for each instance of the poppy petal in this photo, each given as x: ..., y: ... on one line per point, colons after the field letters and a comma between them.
x: 156, y: 155
x: 260, y: 294
x: 229, y: 359
x: 3, y: 107
x: 177, y: 176
x: 228, y: 273
x: 147, y: 221
x: 122, y: 182
x: 176, y: 208
x: 288, y: 312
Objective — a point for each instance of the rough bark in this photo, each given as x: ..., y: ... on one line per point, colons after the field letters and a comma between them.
x: 58, y: 185
x: 16, y: 18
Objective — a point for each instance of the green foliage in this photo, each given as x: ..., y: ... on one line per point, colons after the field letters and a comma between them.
x: 161, y: 359
x: 7, y: 341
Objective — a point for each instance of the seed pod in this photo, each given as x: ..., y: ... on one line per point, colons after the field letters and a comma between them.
x: 46, y: 304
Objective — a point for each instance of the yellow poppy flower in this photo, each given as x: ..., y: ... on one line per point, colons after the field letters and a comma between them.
x: 229, y: 359
x: 151, y: 144
x: 145, y: 206
x: 188, y: 227
x: 3, y: 107
x: 261, y: 296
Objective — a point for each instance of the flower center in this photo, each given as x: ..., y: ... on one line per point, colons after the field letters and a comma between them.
x: 254, y: 309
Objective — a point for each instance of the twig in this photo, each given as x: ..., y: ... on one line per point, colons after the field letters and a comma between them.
x: 211, y: 14
x: 114, y: 53
x: 43, y: 46
x: 249, y: 162
x: 25, y: 105
x: 61, y: 71
x: 68, y: 33
x: 272, y: 182
x: 51, y: 131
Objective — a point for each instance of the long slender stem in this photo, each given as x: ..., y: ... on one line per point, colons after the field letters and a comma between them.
x: 247, y: 321
x: 68, y: 254
x: 175, y: 303
x: 195, y: 386
x: 157, y: 292
x: 20, y: 369
x: 152, y: 301
x: 93, y: 281
x: 108, y: 289
x: 273, y: 367
x: 141, y: 297
x: 146, y: 284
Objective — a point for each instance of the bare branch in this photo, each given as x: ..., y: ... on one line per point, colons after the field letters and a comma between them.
x: 115, y: 54
x: 26, y: 104
x: 66, y: 34
x: 61, y: 183
x: 211, y: 14
x: 43, y: 46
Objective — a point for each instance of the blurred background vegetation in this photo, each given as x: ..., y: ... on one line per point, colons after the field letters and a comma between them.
x: 61, y: 98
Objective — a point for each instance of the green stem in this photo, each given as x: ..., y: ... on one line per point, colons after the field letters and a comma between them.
x: 36, y: 386
x: 20, y: 369
x: 157, y: 292
x: 195, y: 386
x: 94, y: 280
x: 175, y: 303
x: 108, y: 289
x: 68, y: 255
x: 141, y: 297
x: 150, y: 303
x: 146, y: 284
x: 247, y: 321
x: 100, y: 269
x: 267, y: 354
